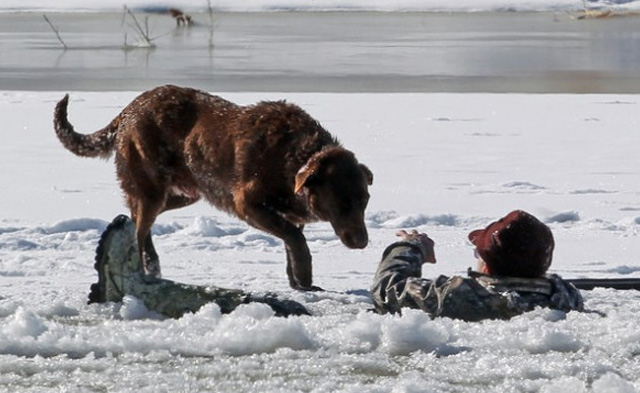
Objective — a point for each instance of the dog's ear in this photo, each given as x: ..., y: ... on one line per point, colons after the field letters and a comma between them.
x: 368, y: 174
x: 304, y: 176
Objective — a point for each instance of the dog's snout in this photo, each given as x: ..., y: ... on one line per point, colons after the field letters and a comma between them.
x: 355, y: 239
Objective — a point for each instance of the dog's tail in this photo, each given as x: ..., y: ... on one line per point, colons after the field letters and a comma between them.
x: 98, y: 144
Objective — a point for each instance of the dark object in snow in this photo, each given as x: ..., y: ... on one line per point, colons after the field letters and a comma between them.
x: 588, y: 284
x: 270, y: 164
x: 120, y: 273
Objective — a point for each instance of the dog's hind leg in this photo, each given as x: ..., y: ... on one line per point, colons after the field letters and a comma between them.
x: 144, y: 213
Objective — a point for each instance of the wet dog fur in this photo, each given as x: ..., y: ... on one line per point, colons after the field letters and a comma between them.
x: 270, y: 164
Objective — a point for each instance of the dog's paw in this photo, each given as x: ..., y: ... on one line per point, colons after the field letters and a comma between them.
x: 152, y: 268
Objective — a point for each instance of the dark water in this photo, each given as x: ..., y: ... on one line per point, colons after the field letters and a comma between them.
x: 333, y: 52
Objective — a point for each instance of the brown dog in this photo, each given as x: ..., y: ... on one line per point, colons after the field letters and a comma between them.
x: 270, y: 164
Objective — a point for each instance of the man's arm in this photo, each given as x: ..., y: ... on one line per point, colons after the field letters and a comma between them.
x: 398, y: 276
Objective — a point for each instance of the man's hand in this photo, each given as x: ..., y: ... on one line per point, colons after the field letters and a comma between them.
x: 423, y: 241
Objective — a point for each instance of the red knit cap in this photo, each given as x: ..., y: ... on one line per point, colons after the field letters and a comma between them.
x: 517, y: 245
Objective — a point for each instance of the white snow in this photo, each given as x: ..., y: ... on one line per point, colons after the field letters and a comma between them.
x: 494, y: 153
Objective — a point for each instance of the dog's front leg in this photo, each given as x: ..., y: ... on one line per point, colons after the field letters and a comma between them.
x: 299, y: 268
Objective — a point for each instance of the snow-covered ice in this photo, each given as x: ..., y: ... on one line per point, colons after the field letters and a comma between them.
x: 443, y: 163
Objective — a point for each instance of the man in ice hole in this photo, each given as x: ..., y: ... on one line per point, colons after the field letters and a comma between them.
x: 514, y: 254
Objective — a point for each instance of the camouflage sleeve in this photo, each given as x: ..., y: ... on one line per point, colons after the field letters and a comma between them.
x: 398, y: 278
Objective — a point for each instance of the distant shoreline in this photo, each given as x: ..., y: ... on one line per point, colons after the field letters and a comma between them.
x: 338, y: 52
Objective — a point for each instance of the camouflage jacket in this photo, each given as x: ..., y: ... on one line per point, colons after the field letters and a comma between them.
x: 398, y: 284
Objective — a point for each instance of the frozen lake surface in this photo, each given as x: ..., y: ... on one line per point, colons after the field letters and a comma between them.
x: 327, y: 51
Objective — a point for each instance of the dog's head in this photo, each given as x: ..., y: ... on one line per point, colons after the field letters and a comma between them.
x: 336, y: 187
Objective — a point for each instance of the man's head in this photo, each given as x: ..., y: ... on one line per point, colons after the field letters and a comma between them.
x: 517, y: 245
